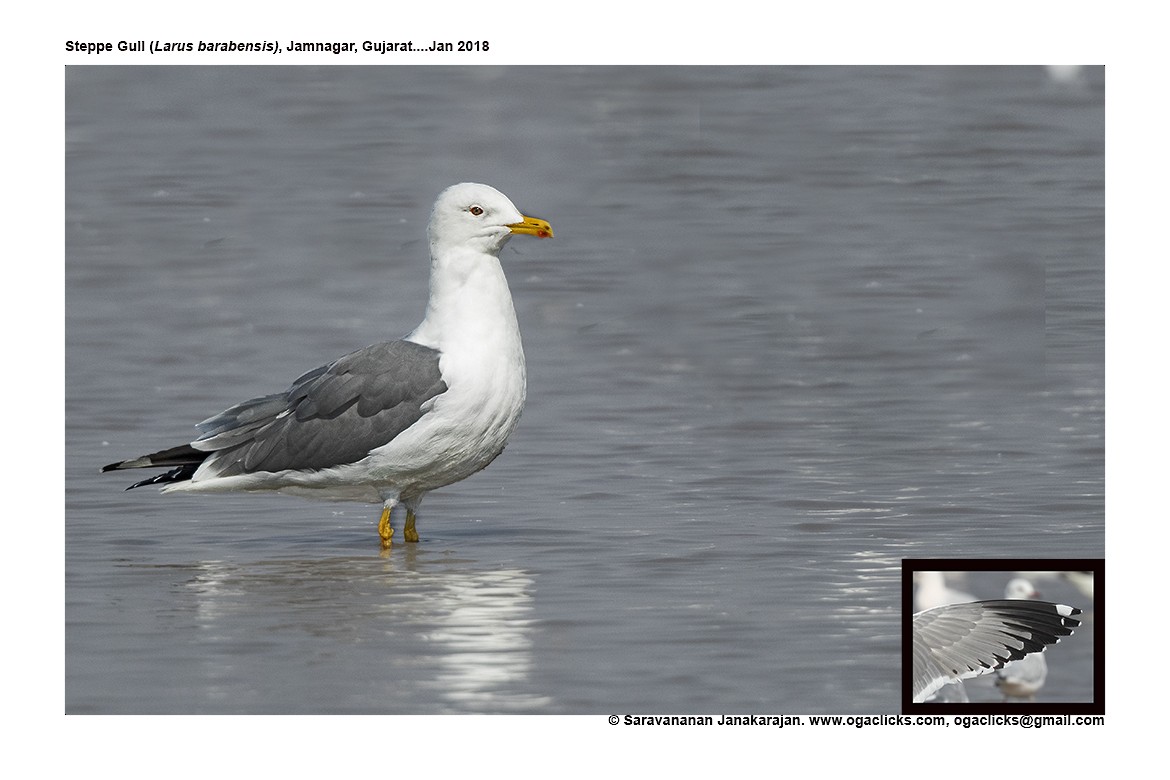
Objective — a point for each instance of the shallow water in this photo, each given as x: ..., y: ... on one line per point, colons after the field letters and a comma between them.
x: 797, y: 324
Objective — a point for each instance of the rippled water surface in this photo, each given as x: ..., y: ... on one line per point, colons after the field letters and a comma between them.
x: 797, y: 324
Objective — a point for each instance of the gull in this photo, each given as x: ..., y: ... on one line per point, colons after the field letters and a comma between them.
x: 932, y: 591
x: 1022, y: 679
x: 960, y: 641
x: 391, y: 422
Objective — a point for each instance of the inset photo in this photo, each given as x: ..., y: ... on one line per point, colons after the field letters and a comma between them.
x: 1003, y: 636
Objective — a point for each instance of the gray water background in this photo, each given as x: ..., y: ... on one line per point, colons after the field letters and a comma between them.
x: 796, y: 325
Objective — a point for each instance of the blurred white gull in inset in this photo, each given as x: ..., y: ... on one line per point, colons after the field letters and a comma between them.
x: 1023, y: 678
x: 932, y: 591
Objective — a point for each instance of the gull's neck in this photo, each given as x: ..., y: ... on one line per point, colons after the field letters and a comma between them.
x: 469, y: 302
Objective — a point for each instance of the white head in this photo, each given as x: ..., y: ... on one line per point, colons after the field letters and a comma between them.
x: 480, y: 218
x: 1020, y: 588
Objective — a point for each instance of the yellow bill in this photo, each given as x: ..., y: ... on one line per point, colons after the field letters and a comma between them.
x: 531, y: 226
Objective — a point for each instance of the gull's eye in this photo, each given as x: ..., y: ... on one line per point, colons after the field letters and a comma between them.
x: 476, y: 210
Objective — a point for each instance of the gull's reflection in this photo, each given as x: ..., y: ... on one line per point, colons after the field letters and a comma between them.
x: 418, y: 633
x: 485, y: 634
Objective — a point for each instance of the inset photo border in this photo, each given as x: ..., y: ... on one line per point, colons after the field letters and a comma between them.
x: 1067, y: 677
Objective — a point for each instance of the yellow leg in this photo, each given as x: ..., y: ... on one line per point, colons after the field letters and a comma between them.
x: 408, y: 532
x: 384, y: 529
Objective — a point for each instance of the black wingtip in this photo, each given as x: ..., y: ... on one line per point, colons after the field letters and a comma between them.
x: 185, y: 457
x: 180, y: 474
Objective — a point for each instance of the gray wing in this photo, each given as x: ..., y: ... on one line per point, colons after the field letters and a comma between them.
x: 966, y: 640
x: 330, y: 416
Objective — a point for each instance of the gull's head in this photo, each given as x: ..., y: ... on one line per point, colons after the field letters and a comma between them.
x: 1020, y: 588
x: 479, y: 217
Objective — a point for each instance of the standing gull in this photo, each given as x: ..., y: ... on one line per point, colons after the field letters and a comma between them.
x: 391, y: 422
x: 1022, y: 679
x: 959, y: 641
